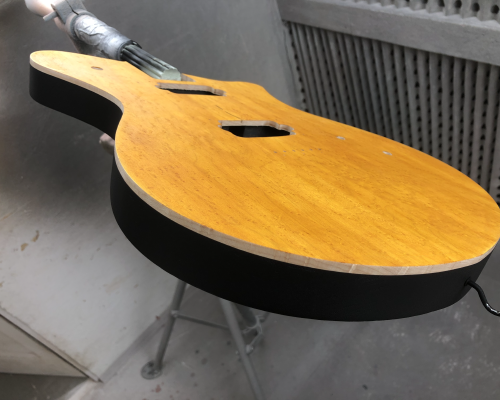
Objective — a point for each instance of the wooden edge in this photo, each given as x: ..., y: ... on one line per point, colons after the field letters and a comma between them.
x: 288, y: 257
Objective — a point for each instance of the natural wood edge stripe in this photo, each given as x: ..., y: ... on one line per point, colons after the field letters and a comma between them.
x: 287, y: 257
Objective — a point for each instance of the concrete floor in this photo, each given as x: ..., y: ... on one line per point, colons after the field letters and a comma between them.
x: 449, y: 354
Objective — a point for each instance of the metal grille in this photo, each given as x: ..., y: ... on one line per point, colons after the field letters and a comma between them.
x: 444, y: 106
x: 484, y: 10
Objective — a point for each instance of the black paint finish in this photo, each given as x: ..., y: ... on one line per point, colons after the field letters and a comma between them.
x: 75, y: 101
x: 242, y: 277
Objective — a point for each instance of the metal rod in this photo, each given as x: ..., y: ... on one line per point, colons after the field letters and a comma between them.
x: 153, y: 368
x: 262, y: 317
x: 248, y: 315
x: 227, y: 308
x: 129, y: 55
x: 137, y: 51
x: 198, y: 321
x: 482, y: 296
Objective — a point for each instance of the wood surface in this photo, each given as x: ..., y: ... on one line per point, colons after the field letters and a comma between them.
x: 329, y: 196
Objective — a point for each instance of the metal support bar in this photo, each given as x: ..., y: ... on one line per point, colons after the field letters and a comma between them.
x: 198, y: 321
x: 253, y: 324
x: 262, y: 317
x: 240, y: 345
x: 248, y: 316
x: 153, y: 368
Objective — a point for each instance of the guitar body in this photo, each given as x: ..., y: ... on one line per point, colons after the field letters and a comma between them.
x: 240, y: 195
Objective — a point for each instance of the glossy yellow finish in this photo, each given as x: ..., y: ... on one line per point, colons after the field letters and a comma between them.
x: 329, y: 196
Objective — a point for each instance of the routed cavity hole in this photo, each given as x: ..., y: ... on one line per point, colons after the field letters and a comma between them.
x: 253, y: 129
x: 184, y: 91
x: 180, y: 88
x: 98, y: 68
x: 475, y: 7
x: 495, y: 9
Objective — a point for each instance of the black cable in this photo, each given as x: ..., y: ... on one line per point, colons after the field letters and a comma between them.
x: 483, y: 298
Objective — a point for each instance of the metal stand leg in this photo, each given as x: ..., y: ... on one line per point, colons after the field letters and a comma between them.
x: 240, y: 345
x: 153, y: 368
x: 253, y: 324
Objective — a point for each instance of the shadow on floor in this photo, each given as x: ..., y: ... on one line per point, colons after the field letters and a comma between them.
x: 36, y: 387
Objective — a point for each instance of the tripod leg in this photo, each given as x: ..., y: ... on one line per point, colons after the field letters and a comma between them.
x: 153, y: 368
x: 248, y: 315
x: 228, y: 310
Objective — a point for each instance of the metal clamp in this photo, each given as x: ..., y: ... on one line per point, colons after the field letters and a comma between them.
x: 93, y: 37
x: 482, y: 296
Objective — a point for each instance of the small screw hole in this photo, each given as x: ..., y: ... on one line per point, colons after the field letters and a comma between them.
x: 98, y: 68
x: 475, y: 7
x: 495, y: 9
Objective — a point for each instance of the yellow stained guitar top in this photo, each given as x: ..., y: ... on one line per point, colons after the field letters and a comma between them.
x: 361, y: 203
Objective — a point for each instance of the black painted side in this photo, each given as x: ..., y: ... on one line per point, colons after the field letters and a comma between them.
x: 75, y: 101
x: 276, y: 286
